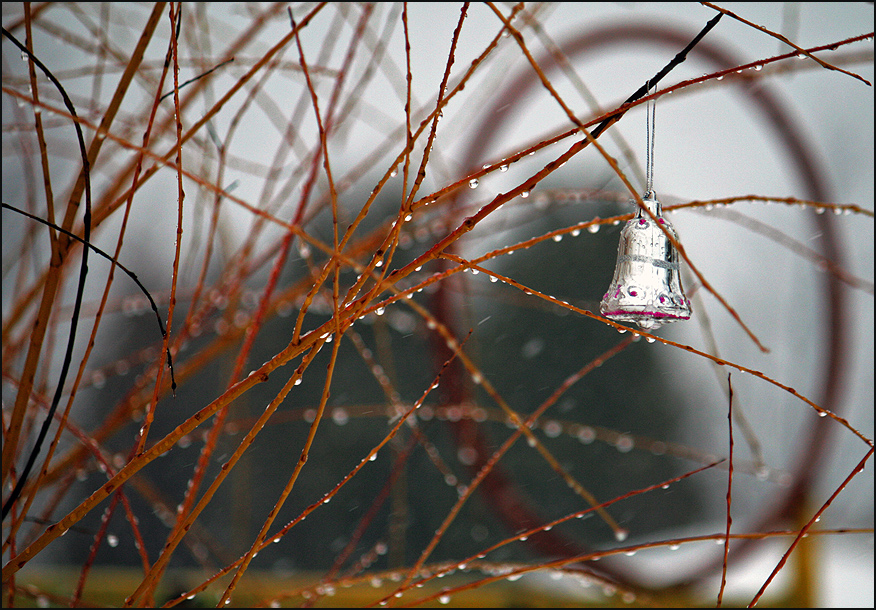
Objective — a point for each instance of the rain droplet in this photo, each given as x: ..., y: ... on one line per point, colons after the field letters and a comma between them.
x: 112, y: 540
x: 503, y: 168
x: 758, y: 68
x: 553, y: 429
x: 473, y: 183
x: 444, y: 599
x: 624, y: 444
x: 558, y: 238
x: 621, y: 535
x: 98, y: 379
x: 586, y: 434
x: 524, y: 194
x: 593, y: 228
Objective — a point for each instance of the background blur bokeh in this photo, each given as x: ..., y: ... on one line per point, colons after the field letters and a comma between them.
x: 712, y: 140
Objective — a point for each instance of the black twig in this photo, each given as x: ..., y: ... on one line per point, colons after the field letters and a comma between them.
x: 199, y: 76
x: 652, y: 82
x: 80, y: 289
x: 130, y: 273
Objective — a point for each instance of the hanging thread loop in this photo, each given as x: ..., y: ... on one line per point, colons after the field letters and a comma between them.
x: 646, y: 287
x: 650, y: 118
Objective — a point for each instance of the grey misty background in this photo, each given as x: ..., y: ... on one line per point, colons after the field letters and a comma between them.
x: 709, y: 144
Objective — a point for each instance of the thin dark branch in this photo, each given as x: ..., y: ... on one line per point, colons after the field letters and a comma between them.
x: 130, y: 273
x: 652, y: 82
x: 729, y: 493
x: 199, y: 76
x: 80, y: 289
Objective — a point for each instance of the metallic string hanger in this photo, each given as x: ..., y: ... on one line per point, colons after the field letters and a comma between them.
x: 650, y: 121
x: 646, y: 287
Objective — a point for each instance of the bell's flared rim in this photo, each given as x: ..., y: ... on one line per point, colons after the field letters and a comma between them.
x: 634, y: 314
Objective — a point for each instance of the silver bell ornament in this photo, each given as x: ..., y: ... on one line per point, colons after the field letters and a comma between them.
x: 646, y: 288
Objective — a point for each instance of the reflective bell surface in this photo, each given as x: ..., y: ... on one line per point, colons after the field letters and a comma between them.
x: 646, y: 288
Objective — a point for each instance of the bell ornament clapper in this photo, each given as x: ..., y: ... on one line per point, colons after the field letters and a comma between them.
x: 646, y: 287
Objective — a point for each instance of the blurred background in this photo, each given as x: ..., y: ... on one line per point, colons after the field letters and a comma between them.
x: 800, y: 276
